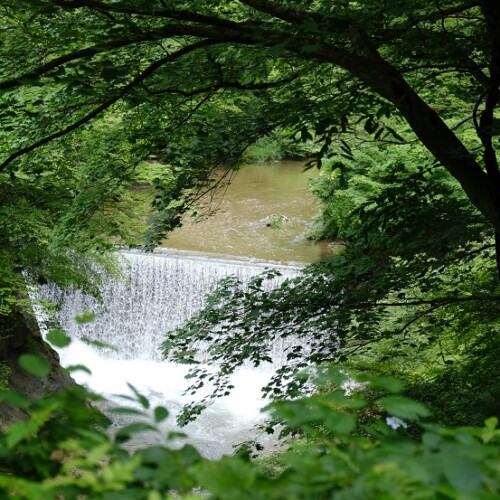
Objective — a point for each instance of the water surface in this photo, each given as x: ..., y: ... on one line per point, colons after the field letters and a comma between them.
x: 263, y: 214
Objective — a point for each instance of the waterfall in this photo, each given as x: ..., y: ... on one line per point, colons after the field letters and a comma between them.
x: 159, y: 293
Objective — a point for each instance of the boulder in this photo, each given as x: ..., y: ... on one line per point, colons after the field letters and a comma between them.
x: 20, y: 334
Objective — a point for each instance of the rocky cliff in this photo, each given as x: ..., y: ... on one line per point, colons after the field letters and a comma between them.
x: 20, y: 334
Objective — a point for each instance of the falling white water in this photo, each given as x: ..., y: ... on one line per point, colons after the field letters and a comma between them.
x: 160, y: 292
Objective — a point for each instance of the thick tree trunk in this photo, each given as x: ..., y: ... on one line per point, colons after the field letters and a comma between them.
x: 482, y: 189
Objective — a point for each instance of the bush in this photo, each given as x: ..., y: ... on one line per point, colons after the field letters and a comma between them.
x: 63, y: 452
x: 278, y: 145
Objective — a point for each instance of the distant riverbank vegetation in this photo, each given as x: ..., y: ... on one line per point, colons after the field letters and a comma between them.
x: 279, y: 146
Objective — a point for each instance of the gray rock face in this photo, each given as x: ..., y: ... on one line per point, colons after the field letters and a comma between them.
x: 20, y: 334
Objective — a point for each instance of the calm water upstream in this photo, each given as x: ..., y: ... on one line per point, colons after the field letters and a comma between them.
x: 261, y: 194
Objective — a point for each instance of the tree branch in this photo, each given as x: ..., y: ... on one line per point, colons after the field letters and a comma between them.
x: 439, y: 301
x: 418, y: 316
x: 176, y: 14
x: 108, y: 103
x: 280, y: 11
x: 485, y: 126
x: 73, y: 56
x: 440, y: 14
x: 296, y: 17
x: 233, y: 32
x: 221, y: 85
x: 428, y: 126
x: 153, y: 35
x: 491, y: 11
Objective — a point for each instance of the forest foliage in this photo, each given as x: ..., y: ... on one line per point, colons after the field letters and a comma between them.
x: 405, y: 134
x: 63, y: 451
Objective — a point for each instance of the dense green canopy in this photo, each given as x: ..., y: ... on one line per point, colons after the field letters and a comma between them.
x: 398, y: 98
x: 322, y: 66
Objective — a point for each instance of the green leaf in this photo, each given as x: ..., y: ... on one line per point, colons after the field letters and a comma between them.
x: 14, y: 399
x: 124, y: 410
x: 75, y: 368
x: 227, y: 478
x: 463, y: 474
x: 35, y: 365
x: 491, y: 423
x: 98, y: 343
x: 86, y: 317
x: 394, y: 133
x: 405, y: 408
x: 126, y: 432
x: 176, y: 435
x: 490, y: 431
x: 339, y: 399
x: 58, y: 338
x: 370, y: 126
x: 390, y: 384
x: 340, y: 423
x: 20, y: 431
x: 161, y: 414
x: 277, y: 50
x: 140, y: 397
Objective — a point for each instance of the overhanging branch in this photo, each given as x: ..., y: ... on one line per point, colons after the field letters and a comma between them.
x: 440, y: 14
x: 296, y: 17
x: 439, y: 301
x: 235, y: 32
x: 88, y: 52
x: 108, y: 103
x: 221, y: 85
x: 175, y: 14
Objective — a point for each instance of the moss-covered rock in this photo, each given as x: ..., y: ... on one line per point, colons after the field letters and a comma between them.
x: 20, y: 334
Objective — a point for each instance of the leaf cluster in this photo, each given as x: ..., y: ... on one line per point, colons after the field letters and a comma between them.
x: 63, y: 450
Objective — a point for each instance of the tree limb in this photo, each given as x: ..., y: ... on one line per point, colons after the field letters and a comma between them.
x: 281, y: 11
x: 73, y: 56
x: 153, y: 35
x: 440, y: 14
x: 492, y: 96
x: 176, y: 14
x: 108, y: 103
x: 296, y: 17
x: 221, y: 85
x: 440, y: 301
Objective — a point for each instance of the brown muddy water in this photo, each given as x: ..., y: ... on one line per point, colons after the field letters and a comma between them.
x: 263, y: 214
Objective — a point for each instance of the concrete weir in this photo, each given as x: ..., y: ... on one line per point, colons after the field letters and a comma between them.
x: 159, y: 292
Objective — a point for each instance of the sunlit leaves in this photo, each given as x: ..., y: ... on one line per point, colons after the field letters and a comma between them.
x: 58, y: 338
x: 491, y: 431
x: 40, y: 456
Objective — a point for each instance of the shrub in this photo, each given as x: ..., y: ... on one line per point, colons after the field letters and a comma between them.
x: 63, y: 451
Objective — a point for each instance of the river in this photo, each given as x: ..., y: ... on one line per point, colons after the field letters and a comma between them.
x: 164, y: 289
x: 263, y: 214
